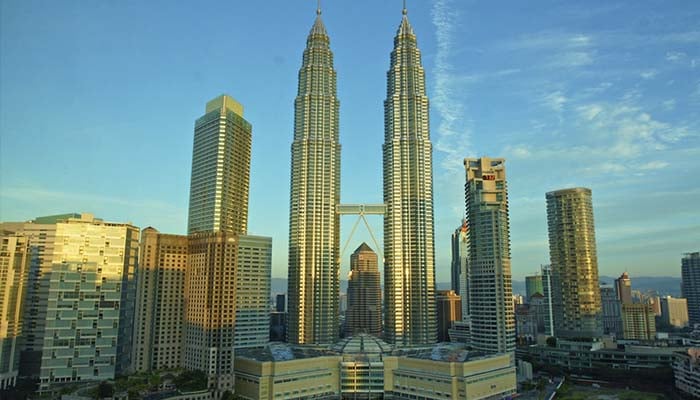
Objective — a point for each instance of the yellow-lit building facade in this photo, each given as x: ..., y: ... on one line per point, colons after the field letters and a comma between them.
x: 14, y: 268
x: 90, y: 305
x: 364, y: 367
x: 160, y: 304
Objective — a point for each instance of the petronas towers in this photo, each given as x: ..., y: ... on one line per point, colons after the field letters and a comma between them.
x: 409, y: 267
x: 314, y: 224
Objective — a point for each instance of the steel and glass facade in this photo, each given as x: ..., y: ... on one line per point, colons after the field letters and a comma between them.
x: 90, y: 307
x: 220, y: 169
x: 364, y: 313
x: 314, y: 225
x: 490, y: 283
x: 409, y: 251
x: 572, y: 252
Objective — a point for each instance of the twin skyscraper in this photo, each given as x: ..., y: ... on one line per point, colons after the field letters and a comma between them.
x: 314, y: 220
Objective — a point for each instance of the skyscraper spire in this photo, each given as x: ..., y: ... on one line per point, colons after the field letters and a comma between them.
x: 409, y: 270
x: 314, y: 226
x: 405, y: 11
x: 318, y: 8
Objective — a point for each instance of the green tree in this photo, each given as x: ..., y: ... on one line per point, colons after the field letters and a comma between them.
x: 104, y: 390
x: 227, y: 395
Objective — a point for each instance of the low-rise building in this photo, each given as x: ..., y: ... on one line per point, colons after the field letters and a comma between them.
x: 366, y: 367
x: 686, y: 371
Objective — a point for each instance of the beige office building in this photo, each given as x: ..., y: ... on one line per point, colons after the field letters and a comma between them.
x: 638, y: 321
x: 674, y: 312
x: 314, y: 225
x: 364, y: 313
x: 14, y: 270
x: 253, y: 275
x: 572, y: 251
x: 364, y: 367
x: 220, y: 169
x: 210, y: 306
x: 409, y: 250
x: 160, y: 305
x: 449, y: 310
x: 491, y: 303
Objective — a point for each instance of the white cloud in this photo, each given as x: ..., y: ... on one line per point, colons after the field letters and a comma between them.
x: 554, y: 101
x: 653, y: 165
x: 589, y: 111
x: 668, y: 105
x: 648, y: 74
x: 675, y: 56
x: 453, y: 136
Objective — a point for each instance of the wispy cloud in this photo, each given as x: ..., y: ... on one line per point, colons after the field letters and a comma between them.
x: 648, y: 74
x: 554, y: 100
x: 454, y: 135
x: 676, y: 56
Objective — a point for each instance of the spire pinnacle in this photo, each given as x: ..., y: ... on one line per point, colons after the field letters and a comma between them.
x: 405, y: 11
x: 318, y: 8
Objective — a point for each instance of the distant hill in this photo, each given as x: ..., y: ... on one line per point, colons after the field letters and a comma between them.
x: 665, y: 286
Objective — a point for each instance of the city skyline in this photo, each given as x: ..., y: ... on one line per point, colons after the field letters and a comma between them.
x: 641, y: 108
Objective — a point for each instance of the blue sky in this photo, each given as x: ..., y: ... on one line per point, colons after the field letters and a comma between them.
x: 98, y: 101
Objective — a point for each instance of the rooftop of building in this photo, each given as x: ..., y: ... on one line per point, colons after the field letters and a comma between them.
x: 446, y: 352
x: 277, y: 351
x: 362, y: 343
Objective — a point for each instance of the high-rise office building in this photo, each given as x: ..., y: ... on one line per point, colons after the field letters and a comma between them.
x: 491, y: 303
x: 280, y: 302
x: 210, y: 306
x: 41, y: 233
x: 449, y: 310
x: 253, y: 271
x: 638, y: 321
x: 90, y: 305
x: 460, y: 266
x: 220, y: 169
x: 364, y: 313
x: 623, y: 288
x: 548, y: 302
x: 674, y: 312
x: 409, y: 251
x: 14, y: 271
x: 612, y: 311
x: 533, y: 284
x: 314, y: 225
x: 227, y: 284
x: 160, y: 305
x: 572, y: 252
x: 690, y: 285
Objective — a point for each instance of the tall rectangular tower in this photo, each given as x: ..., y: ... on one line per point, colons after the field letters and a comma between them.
x: 160, y: 306
x: 314, y: 225
x: 547, y: 292
x: 572, y: 252
x: 90, y: 305
x: 690, y: 285
x: 41, y: 233
x: 364, y: 314
x: 220, y: 169
x: 253, y: 271
x: 491, y: 302
x: 460, y: 266
x: 14, y: 270
x: 409, y: 250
